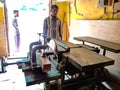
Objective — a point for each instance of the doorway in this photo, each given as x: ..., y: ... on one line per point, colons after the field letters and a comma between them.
x: 30, y: 22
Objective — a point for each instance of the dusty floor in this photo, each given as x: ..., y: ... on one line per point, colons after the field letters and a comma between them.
x: 13, y: 79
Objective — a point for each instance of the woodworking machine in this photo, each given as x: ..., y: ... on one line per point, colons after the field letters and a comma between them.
x: 47, y: 65
x: 45, y: 53
x: 46, y: 68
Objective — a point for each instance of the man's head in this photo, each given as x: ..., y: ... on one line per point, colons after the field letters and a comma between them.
x: 54, y: 10
x: 16, y: 13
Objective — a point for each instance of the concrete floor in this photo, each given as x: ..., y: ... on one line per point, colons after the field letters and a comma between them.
x: 14, y: 79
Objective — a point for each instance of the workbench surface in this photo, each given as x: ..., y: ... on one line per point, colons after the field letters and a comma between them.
x: 110, y: 46
x: 83, y: 58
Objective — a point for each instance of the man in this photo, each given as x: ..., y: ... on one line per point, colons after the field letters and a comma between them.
x: 51, y: 29
x: 17, y: 33
x: 52, y: 24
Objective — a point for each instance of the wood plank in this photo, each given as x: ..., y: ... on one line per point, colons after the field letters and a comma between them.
x: 70, y: 44
x: 44, y: 62
x: 110, y: 46
x: 61, y: 44
x: 84, y: 58
x: 57, y: 46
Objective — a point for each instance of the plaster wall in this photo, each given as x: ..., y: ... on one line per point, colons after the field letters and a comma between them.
x: 103, y: 29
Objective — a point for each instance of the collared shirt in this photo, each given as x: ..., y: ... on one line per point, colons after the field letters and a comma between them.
x: 52, y: 28
x: 15, y: 25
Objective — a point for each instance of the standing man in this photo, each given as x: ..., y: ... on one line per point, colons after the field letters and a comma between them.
x: 17, y: 33
x: 51, y: 29
x: 52, y: 24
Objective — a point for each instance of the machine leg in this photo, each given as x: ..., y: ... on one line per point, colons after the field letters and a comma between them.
x: 53, y: 85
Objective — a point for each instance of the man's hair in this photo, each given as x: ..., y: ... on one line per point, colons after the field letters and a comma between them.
x: 14, y: 11
x: 54, y: 6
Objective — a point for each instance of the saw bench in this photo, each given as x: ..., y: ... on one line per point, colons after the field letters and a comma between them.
x: 76, y: 67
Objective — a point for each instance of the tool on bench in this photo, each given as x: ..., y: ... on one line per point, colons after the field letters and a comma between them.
x: 42, y: 53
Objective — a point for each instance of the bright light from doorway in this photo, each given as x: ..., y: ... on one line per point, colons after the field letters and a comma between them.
x: 30, y: 21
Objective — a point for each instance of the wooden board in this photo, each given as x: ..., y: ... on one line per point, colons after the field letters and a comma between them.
x: 110, y: 46
x: 44, y: 62
x: 57, y: 46
x: 84, y: 58
x: 70, y: 45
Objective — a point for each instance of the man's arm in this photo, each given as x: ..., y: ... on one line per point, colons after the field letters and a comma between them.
x: 60, y: 30
x: 45, y: 27
x: 14, y: 23
x: 45, y: 30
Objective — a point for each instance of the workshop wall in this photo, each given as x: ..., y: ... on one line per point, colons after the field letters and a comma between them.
x: 94, y: 20
x: 93, y: 9
x: 88, y: 8
x: 3, y: 40
x: 103, y: 29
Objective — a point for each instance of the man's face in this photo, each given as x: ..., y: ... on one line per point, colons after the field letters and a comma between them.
x: 16, y: 14
x: 54, y: 12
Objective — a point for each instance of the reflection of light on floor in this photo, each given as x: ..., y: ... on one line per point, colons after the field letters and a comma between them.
x: 14, y: 80
x: 30, y: 23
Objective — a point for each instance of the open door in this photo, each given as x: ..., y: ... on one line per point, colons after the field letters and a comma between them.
x: 30, y: 22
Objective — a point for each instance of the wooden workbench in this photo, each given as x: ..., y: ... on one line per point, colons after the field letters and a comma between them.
x: 84, y: 59
x: 106, y: 45
x: 88, y: 62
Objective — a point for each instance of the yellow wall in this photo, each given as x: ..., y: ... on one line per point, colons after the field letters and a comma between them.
x: 63, y: 12
x: 3, y: 40
x: 1, y: 13
x: 90, y: 10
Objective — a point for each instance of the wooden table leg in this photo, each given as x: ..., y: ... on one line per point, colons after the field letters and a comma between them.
x: 100, y: 77
x: 104, y: 52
